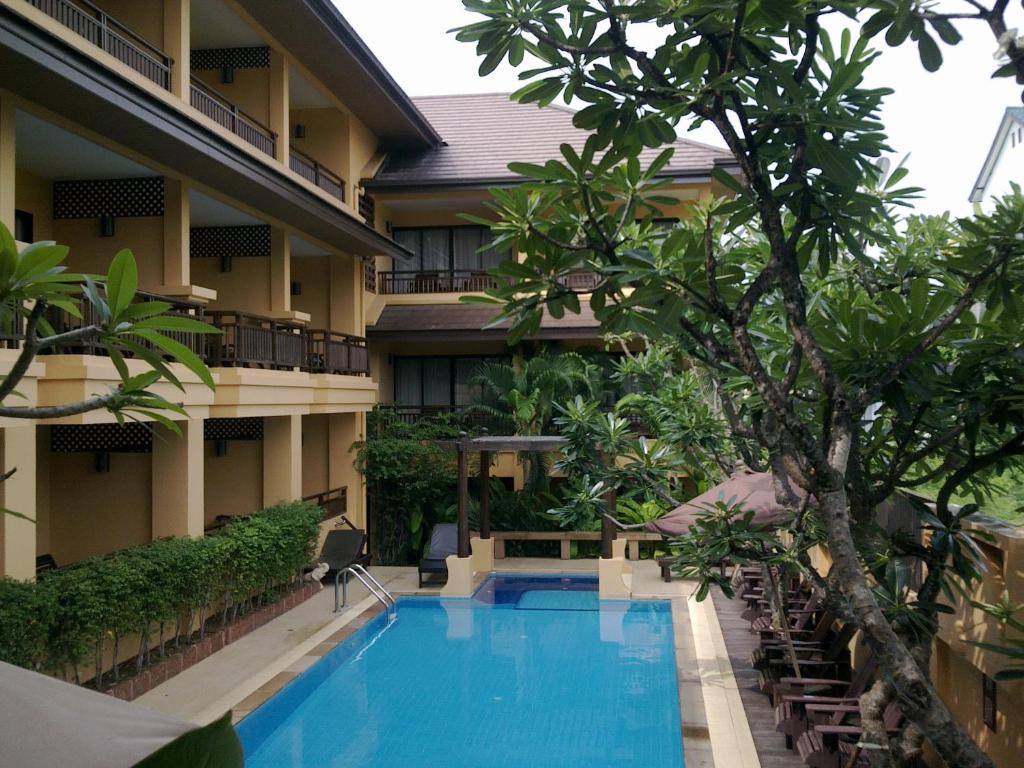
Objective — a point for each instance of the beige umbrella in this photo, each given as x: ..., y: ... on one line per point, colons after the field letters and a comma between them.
x: 753, y: 491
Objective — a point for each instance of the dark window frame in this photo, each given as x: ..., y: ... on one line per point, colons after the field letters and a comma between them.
x: 451, y: 229
x: 23, y: 220
x: 451, y: 378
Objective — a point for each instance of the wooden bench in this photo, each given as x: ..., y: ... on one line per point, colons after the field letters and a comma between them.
x: 565, y: 538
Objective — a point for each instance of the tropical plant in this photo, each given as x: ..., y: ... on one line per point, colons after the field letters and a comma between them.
x: 71, y: 616
x: 856, y: 349
x: 523, y: 396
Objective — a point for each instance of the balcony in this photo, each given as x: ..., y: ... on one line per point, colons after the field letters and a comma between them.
x: 311, y: 170
x: 462, y: 414
x: 219, y: 109
x: 63, y: 322
x: 441, y: 281
x: 85, y: 19
x: 255, y: 341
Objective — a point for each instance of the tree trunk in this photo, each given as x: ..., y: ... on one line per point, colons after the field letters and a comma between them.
x: 916, y: 696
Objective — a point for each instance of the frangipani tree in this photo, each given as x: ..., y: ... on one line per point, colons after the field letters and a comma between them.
x: 860, y: 350
x: 34, y: 281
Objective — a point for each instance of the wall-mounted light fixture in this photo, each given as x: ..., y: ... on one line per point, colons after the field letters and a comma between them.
x: 296, y: 288
x: 102, y: 462
x: 106, y: 225
x: 224, y: 263
x: 220, y: 447
x: 300, y: 131
x: 227, y: 74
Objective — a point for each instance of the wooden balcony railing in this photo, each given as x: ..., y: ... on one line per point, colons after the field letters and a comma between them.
x: 580, y: 281
x: 255, y: 341
x: 334, y: 502
x: 85, y: 19
x: 370, y: 276
x: 219, y: 109
x: 414, y: 281
x: 63, y: 322
x: 340, y: 353
x: 412, y: 414
x: 311, y: 170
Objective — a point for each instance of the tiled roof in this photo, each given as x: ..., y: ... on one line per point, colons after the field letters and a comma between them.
x: 483, y: 133
x: 445, y: 320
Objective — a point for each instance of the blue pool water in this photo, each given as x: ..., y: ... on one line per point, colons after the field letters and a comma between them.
x: 531, y: 671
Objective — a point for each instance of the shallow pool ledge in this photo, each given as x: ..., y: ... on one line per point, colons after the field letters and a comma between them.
x: 615, y: 574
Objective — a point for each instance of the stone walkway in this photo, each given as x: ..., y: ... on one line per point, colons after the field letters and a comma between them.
x: 740, y: 641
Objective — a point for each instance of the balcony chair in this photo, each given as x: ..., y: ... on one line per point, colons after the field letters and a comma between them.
x: 834, y: 743
x: 829, y: 659
x: 444, y: 541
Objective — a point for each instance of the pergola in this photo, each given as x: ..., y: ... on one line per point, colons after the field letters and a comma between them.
x: 485, y: 445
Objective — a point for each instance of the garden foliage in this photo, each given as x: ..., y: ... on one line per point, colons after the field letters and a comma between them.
x: 158, y: 591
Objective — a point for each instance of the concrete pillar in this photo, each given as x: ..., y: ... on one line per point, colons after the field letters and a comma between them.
x: 177, y: 484
x: 280, y: 273
x: 344, y: 429
x: 7, y: 162
x: 279, y: 103
x: 177, y: 270
x: 18, y: 494
x: 346, y: 295
x: 282, y: 459
x: 178, y: 45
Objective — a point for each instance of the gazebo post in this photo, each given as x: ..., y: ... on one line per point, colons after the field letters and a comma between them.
x: 608, y: 531
x: 463, y: 527
x: 485, y: 494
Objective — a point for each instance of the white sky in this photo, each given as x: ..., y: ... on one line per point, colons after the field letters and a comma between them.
x: 946, y: 120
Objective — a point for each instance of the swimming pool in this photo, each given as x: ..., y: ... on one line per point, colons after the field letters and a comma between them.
x: 531, y: 671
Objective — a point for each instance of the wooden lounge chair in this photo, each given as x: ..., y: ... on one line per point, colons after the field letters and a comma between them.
x: 342, y: 548
x: 834, y: 744
x: 444, y: 541
x: 791, y: 707
x: 827, y: 660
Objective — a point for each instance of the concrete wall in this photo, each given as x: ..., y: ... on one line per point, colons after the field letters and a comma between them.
x: 313, y: 275
x: 316, y: 476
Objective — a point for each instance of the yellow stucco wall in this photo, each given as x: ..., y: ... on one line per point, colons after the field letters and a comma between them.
x: 315, y: 454
x: 233, y: 483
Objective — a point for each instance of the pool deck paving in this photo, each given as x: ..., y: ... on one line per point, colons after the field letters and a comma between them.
x: 715, y: 713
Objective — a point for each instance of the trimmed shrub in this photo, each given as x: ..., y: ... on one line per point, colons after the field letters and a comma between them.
x: 69, y: 617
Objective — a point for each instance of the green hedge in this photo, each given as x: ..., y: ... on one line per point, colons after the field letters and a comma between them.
x: 157, y: 591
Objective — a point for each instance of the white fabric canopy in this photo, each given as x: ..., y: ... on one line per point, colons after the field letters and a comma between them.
x: 45, y: 722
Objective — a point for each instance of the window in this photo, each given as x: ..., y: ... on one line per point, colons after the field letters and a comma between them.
x: 440, y: 381
x: 23, y: 226
x: 447, y: 249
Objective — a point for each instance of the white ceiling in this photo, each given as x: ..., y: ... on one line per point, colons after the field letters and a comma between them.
x: 215, y: 25
x: 302, y: 247
x: 302, y: 94
x: 205, y: 211
x: 53, y: 153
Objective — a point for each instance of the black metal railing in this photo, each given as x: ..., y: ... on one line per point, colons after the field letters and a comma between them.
x: 368, y: 208
x: 311, y: 170
x: 331, y: 352
x: 85, y: 19
x: 219, y: 109
x: 63, y: 322
x: 370, y: 277
x: 441, y: 281
x: 580, y: 281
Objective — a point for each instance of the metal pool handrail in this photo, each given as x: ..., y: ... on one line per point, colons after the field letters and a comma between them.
x: 374, y: 587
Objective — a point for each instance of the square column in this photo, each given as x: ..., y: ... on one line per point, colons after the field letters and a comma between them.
x: 346, y: 295
x: 177, y: 269
x: 7, y: 162
x: 280, y: 273
x: 279, y: 104
x: 282, y: 459
x: 18, y: 494
x: 178, y: 44
x: 344, y: 429
x: 178, y: 477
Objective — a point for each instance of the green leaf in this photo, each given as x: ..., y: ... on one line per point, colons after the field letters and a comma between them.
x: 122, y: 282
x: 931, y: 56
x: 179, y: 352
